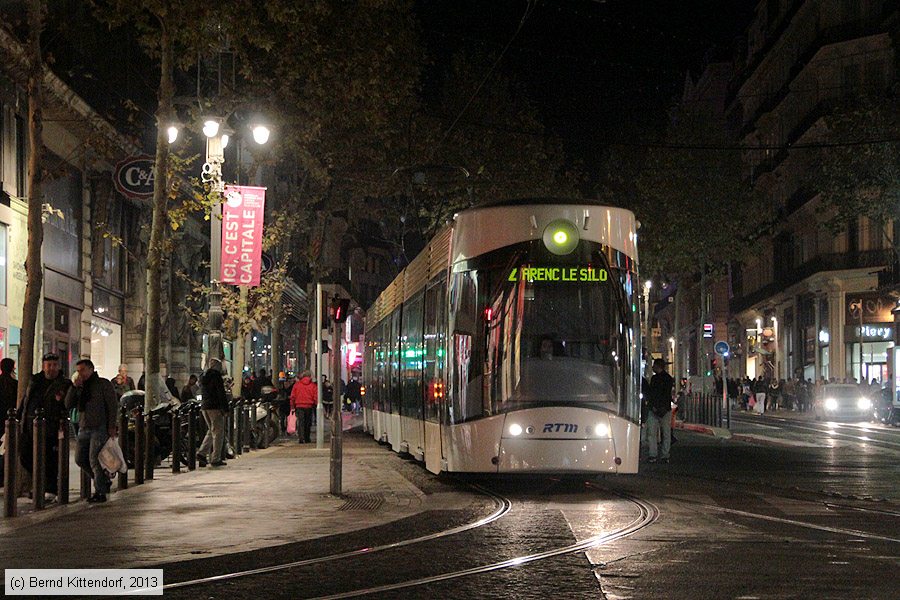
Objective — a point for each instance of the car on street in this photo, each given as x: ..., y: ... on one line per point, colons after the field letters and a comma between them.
x: 844, y: 401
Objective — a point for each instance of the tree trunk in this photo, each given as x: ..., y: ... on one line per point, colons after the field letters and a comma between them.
x: 157, y: 228
x: 33, y: 266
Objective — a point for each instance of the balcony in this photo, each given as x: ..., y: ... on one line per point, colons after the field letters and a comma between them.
x: 788, y: 276
x: 826, y: 37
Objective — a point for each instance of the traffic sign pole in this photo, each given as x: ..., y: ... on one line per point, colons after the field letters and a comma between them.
x: 723, y: 350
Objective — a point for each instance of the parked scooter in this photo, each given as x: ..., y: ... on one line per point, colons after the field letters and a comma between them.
x: 161, y: 417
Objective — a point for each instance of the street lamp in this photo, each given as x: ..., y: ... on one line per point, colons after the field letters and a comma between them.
x: 217, y: 138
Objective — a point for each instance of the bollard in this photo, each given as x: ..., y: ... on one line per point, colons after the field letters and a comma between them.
x: 248, y: 425
x: 192, y: 415
x: 84, y: 491
x: 10, y: 464
x: 176, y: 441
x: 232, y: 425
x: 149, y: 454
x: 238, y: 427
x: 62, y: 464
x: 123, y: 444
x: 138, y: 415
x: 39, y: 458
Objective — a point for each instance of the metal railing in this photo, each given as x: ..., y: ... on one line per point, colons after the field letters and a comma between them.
x: 703, y: 409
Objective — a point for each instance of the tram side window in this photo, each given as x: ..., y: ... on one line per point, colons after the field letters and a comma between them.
x: 466, y: 389
x: 369, y: 369
x: 381, y: 362
x: 435, y: 351
x: 411, y: 359
x: 393, y: 401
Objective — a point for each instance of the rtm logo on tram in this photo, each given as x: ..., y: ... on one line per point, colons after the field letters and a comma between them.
x: 557, y: 427
x: 558, y: 274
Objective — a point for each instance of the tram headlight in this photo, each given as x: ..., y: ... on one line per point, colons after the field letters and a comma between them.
x: 515, y: 430
x: 601, y: 430
x: 561, y: 237
x: 864, y: 403
x: 831, y: 404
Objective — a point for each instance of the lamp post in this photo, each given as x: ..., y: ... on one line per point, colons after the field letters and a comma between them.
x: 212, y: 175
x: 217, y: 138
x: 647, y: 285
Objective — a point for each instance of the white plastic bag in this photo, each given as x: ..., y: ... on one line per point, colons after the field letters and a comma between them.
x: 111, y: 458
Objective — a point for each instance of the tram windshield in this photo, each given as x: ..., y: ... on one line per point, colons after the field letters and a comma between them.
x: 531, y: 329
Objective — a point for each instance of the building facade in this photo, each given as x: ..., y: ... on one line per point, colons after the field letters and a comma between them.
x: 806, y: 302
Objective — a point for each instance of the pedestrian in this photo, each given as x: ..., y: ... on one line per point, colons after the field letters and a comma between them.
x: 213, y: 404
x: 773, y: 395
x: 122, y: 382
x: 303, y: 401
x: 8, y: 389
x: 173, y: 389
x: 187, y: 392
x: 759, y: 390
x: 46, y: 391
x: 262, y: 380
x: 354, y: 393
x: 95, y: 398
x: 327, y: 395
x: 658, y: 418
x: 141, y: 384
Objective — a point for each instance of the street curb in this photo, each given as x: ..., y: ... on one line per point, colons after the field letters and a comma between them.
x: 716, y: 432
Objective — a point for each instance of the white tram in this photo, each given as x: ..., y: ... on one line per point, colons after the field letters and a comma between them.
x: 511, y: 344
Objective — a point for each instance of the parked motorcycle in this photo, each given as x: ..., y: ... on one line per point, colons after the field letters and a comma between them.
x: 267, y: 419
x: 161, y: 417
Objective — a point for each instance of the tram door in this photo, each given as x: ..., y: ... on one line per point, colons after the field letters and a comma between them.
x: 412, y: 429
x: 435, y: 352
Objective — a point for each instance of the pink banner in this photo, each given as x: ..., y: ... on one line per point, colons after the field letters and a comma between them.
x: 242, y: 224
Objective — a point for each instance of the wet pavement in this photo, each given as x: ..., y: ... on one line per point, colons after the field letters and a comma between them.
x: 786, y: 508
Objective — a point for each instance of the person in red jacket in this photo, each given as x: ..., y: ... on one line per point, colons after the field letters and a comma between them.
x: 304, y: 396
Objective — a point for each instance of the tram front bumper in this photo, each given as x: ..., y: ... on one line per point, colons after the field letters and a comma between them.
x: 557, y: 456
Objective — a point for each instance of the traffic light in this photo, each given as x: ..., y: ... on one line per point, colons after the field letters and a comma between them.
x: 340, y: 308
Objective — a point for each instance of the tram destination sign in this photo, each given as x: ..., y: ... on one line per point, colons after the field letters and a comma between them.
x: 558, y: 274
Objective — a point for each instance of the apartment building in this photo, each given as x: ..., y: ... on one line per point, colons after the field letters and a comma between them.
x: 806, y: 301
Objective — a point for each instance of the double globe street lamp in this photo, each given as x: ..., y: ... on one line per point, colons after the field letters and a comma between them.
x: 217, y: 139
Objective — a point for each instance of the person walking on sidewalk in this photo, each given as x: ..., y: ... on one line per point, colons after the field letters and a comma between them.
x: 659, y: 418
x: 95, y: 398
x: 213, y: 404
x: 46, y: 391
x: 303, y: 400
x: 8, y: 387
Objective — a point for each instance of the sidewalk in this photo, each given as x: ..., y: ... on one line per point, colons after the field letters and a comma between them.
x: 265, y: 498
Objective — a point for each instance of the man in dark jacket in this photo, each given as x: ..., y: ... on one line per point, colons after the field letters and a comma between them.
x: 659, y: 417
x: 95, y: 398
x: 213, y: 404
x: 45, y: 391
x: 8, y: 389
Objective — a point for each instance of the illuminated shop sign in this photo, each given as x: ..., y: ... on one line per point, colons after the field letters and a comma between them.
x: 877, y: 332
x: 581, y: 274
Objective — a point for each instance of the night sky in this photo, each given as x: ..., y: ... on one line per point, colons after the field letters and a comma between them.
x: 598, y: 71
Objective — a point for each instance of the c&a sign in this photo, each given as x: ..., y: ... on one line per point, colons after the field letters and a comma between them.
x: 242, y: 225
x: 134, y: 177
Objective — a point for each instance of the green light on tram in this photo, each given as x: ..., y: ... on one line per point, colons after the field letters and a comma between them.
x: 561, y: 237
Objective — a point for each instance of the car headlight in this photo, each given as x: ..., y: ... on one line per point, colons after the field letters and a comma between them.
x: 831, y: 404
x: 601, y: 430
x: 864, y: 403
x: 515, y: 429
